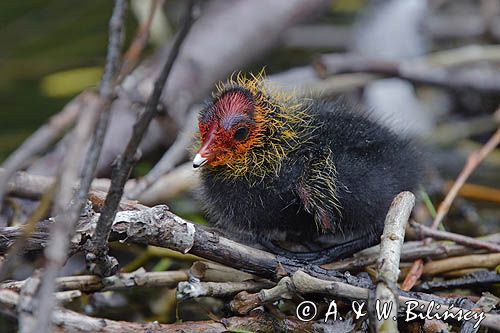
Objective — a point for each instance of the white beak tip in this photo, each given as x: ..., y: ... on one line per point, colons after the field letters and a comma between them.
x: 199, y: 161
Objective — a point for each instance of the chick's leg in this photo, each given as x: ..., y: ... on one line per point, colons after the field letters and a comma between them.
x: 336, y: 252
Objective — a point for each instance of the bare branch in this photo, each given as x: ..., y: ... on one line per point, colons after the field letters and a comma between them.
x: 98, y: 258
x: 471, y: 164
x: 191, y: 289
x: 179, y: 180
x: 56, y: 252
x: 484, y: 81
x: 474, y: 280
x: 159, y: 227
x: 303, y: 283
x: 210, y: 245
x: 388, y: 260
x: 490, y: 260
x: 70, y: 321
x: 92, y: 283
x: 209, y: 271
x: 131, y: 57
x: 409, y: 251
x: 171, y: 158
x: 459, y: 239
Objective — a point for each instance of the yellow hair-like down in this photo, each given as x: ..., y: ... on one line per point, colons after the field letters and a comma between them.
x: 282, y: 122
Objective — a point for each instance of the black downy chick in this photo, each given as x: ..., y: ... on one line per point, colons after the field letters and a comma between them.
x: 281, y: 168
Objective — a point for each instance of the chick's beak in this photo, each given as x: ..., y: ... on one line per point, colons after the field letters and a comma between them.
x: 201, y: 158
x: 199, y: 161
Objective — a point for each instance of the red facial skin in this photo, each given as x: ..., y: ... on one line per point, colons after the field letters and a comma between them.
x: 231, y: 111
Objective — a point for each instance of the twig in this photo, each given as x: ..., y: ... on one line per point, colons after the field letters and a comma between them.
x: 416, y: 71
x: 303, y: 283
x: 388, y: 261
x: 209, y: 271
x: 155, y: 225
x: 409, y: 251
x: 179, y: 180
x: 413, y: 275
x: 97, y: 257
x: 56, y: 252
x: 474, y: 280
x: 172, y: 156
x: 474, y: 159
x: 244, y: 302
x: 131, y: 57
x: 92, y: 283
x: 471, y: 164
x: 39, y: 141
x: 15, y: 251
x: 191, y: 289
x: 25, y: 185
x: 473, y: 261
x: 485, y: 304
x: 159, y: 227
x: 107, y: 89
x: 476, y: 192
x: 97, y: 198
x: 70, y: 168
x: 70, y: 321
x: 66, y: 216
x: 459, y: 239
x: 28, y: 303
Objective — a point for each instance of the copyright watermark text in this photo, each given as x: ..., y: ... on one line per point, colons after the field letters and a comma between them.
x: 307, y: 311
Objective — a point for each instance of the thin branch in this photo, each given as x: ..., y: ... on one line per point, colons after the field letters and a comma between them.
x: 155, y: 226
x: 25, y: 185
x: 304, y: 284
x: 191, y: 289
x: 424, y: 231
x: 485, y: 81
x: 474, y: 280
x: 71, y: 321
x: 245, y: 302
x: 107, y: 89
x: 98, y: 258
x: 490, y: 260
x: 179, y: 180
x: 159, y: 227
x: 473, y: 161
x: 66, y: 216
x: 410, y: 251
x: 471, y: 164
x: 171, y: 158
x: 15, y: 251
x: 131, y: 57
x: 56, y: 252
x: 475, y: 192
x: 93, y: 283
x: 209, y: 271
x: 390, y: 253
x: 486, y: 303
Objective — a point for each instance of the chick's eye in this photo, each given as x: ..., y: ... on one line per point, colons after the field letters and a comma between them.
x: 241, y: 134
